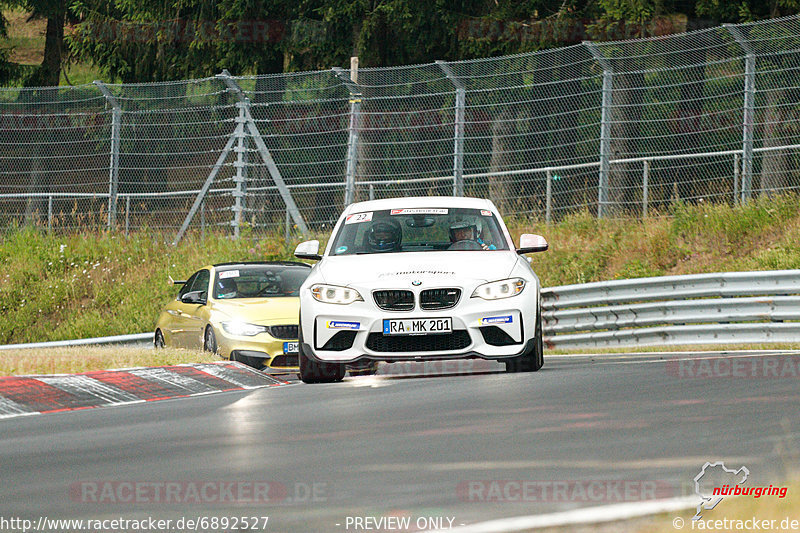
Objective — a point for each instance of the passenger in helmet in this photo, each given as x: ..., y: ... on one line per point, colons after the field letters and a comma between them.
x: 384, y: 236
x: 466, y: 232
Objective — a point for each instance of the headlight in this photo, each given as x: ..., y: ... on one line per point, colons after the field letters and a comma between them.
x: 243, y: 329
x: 333, y: 294
x: 495, y: 290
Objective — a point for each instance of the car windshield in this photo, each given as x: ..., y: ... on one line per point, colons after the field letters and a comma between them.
x: 418, y: 230
x: 258, y: 281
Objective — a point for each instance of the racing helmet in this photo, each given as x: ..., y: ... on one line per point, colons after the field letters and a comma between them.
x: 384, y: 236
x: 474, y: 227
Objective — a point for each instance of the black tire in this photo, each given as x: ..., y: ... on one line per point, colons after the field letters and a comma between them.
x: 532, y: 360
x: 210, y: 340
x: 158, y: 339
x: 314, y: 372
x: 369, y: 369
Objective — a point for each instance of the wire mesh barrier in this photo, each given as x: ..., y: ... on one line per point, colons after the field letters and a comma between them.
x: 617, y: 128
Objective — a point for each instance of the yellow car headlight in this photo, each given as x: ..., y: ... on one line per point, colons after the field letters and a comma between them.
x: 243, y: 329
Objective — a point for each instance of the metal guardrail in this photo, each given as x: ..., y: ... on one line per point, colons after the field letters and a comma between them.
x: 136, y: 339
x: 722, y: 308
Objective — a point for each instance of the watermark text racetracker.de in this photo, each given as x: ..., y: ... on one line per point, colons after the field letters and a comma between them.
x: 184, y: 492
x: 597, y: 490
x: 149, y: 524
x: 766, y: 367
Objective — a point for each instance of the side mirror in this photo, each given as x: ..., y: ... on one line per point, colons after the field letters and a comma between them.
x: 308, y: 250
x: 194, y: 297
x: 530, y: 243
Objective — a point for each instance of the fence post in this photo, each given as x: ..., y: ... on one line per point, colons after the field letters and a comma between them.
x: 49, y: 212
x: 645, y: 186
x: 736, y: 168
x: 127, y: 213
x: 458, y: 134
x: 353, y: 129
x: 605, y: 128
x: 113, y: 175
x: 549, y: 198
x: 240, y: 177
x: 748, y: 112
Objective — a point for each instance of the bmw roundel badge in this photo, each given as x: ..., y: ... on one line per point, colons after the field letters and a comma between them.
x: 416, y: 283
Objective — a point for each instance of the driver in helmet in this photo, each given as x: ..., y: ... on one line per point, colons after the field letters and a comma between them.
x: 468, y: 231
x: 384, y: 236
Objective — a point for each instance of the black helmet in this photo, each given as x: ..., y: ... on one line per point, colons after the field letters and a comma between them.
x: 384, y: 236
x: 475, y: 229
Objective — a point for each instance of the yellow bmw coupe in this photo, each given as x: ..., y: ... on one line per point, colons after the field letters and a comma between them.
x: 245, y: 312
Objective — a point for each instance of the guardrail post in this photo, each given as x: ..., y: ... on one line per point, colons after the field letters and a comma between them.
x: 458, y: 134
x: 113, y: 177
x: 748, y: 113
x: 645, y: 180
x: 605, y: 128
x: 353, y: 129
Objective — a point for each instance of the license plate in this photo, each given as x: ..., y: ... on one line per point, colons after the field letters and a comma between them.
x: 417, y: 326
x: 290, y: 347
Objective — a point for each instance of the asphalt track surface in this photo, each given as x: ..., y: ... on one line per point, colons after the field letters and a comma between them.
x: 407, y: 443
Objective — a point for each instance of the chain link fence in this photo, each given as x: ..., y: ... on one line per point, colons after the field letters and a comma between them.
x: 615, y: 128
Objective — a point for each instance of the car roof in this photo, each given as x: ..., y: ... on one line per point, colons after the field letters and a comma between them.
x: 229, y: 266
x: 421, y: 201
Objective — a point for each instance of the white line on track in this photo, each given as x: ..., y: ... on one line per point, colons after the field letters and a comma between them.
x: 588, y: 515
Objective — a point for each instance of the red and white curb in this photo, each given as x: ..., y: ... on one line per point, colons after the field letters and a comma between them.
x: 32, y: 395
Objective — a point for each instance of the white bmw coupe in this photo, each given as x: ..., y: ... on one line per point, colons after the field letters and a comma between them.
x: 417, y: 279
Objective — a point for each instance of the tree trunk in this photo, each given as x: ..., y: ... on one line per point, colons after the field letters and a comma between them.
x: 50, y: 71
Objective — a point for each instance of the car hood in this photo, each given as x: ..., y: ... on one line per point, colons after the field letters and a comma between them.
x: 284, y: 310
x: 374, y: 270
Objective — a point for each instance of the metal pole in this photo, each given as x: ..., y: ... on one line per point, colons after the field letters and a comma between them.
x: 113, y: 178
x: 207, y: 185
x: 645, y: 191
x: 736, y: 167
x: 549, y: 198
x: 240, y: 178
x: 127, y: 214
x: 371, y: 191
x: 353, y: 129
x: 202, y: 221
x: 458, y: 135
x: 288, y: 223
x: 49, y: 213
x: 605, y: 129
x: 748, y: 112
x: 263, y: 151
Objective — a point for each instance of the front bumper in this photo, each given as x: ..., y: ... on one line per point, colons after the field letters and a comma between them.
x: 489, y: 330
x: 261, y: 346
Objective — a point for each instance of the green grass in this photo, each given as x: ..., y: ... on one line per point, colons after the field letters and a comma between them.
x: 55, y: 287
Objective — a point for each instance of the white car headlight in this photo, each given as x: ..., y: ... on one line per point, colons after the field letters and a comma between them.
x: 495, y: 290
x: 243, y: 329
x: 333, y: 294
